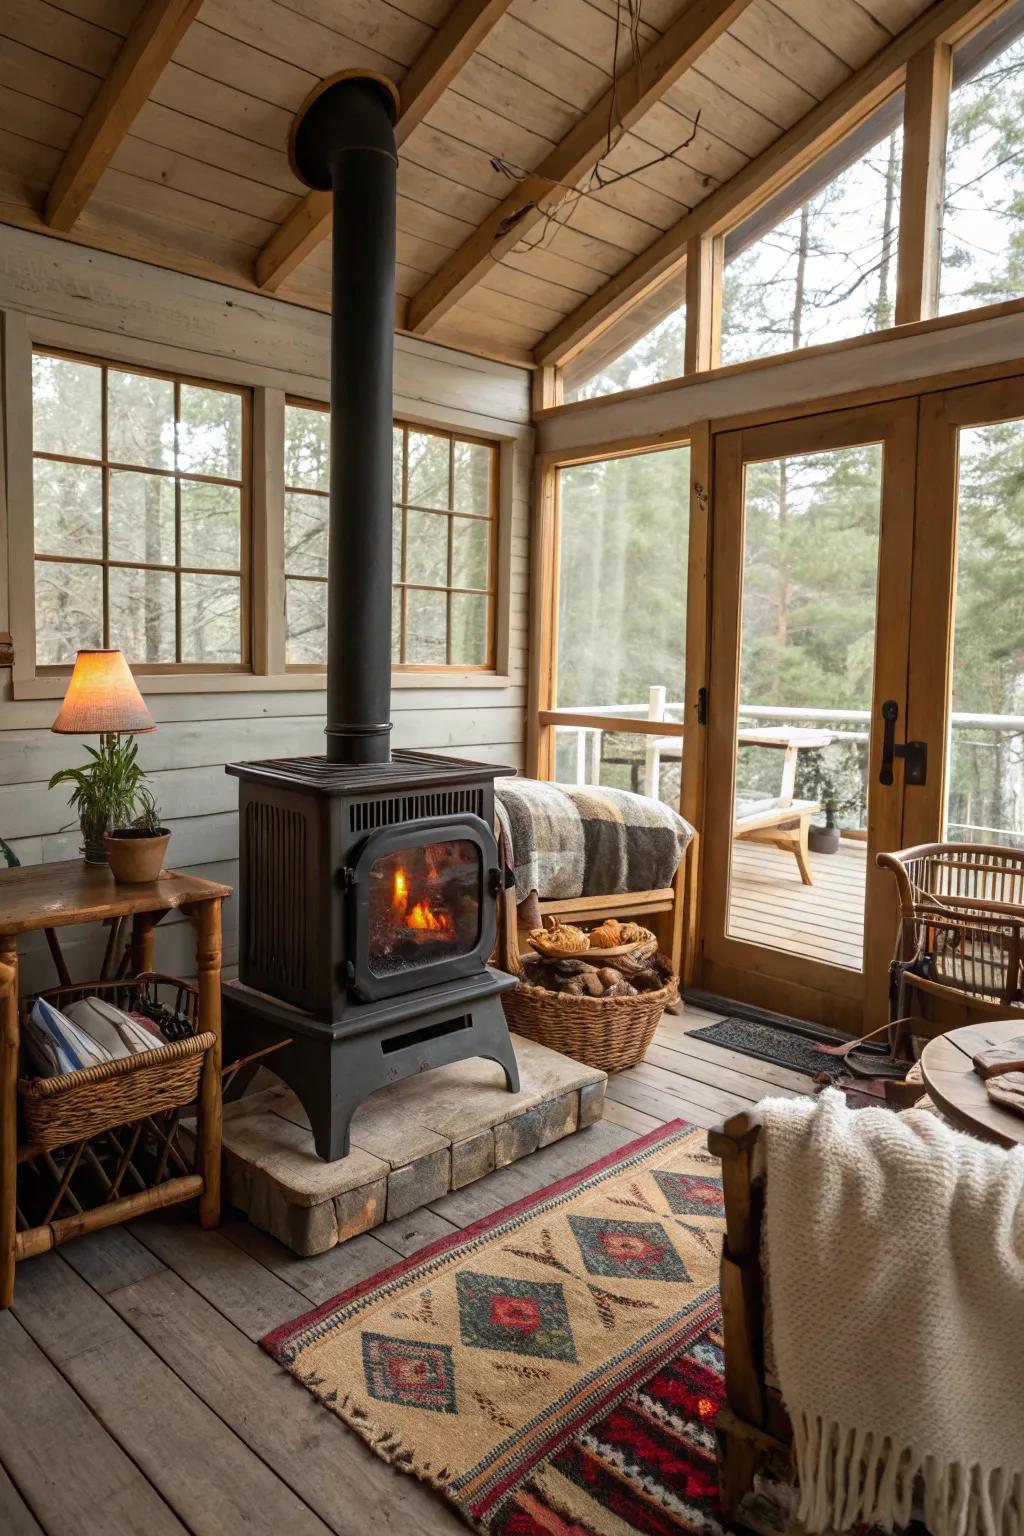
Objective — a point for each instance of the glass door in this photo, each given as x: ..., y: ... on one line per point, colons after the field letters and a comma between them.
x: 967, y: 673
x: 812, y: 570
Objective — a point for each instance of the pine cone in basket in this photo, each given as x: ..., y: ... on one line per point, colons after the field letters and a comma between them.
x: 633, y: 933
x: 559, y: 936
x: 607, y: 936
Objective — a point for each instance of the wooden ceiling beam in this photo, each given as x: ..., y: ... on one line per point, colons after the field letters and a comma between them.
x: 146, y: 51
x: 428, y: 77
x: 945, y: 21
x: 635, y: 91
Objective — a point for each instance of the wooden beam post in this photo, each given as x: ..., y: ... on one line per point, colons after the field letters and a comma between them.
x: 925, y: 122
x: 702, y: 346
x: 545, y: 389
x: 636, y: 90
x: 778, y: 165
x: 146, y: 51
x: 309, y: 223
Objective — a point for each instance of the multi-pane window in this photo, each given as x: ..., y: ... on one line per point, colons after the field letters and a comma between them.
x: 444, y: 544
x: 141, y: 515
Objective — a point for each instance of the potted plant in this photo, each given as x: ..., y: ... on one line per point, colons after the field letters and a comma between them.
x: 136, y: 853
x: 828, y: 777
x: 105, y: 791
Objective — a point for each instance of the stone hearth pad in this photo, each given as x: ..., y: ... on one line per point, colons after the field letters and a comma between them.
x: 411, y: 1143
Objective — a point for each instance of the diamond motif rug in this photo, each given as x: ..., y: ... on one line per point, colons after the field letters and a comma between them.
x: 555, y: 1369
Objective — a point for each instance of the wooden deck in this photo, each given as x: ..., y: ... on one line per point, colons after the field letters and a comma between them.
x: 770, y: 905
x: 136, y: 1401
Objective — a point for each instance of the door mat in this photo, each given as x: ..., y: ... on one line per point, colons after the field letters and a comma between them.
x: 786, y: 1045
x: 556, y: 1366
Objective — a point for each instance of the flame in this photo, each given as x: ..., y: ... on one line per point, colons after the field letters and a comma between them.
x: 422, y: 916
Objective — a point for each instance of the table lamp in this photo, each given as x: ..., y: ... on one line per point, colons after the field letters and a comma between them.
x: 103, y: 700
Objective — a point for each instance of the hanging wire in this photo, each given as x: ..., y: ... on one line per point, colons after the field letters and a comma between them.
x: 601, y: 176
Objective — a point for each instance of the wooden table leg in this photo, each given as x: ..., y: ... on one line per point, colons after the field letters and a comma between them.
x: 142, y: 943
x: 209, y: 1125
x: 8, y: 1114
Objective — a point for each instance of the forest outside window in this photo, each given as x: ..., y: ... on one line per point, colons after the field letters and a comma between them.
x: 826, y: 270
x: 140, y: 493
x: 983, y: 203
x: 623, y: 535
x: 444, y: 544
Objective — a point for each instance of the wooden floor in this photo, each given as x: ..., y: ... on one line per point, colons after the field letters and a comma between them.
x: 769, y: 904
x: 135, y: 1401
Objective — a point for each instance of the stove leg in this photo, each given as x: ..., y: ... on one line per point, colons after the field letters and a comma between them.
x: 493, y: 1042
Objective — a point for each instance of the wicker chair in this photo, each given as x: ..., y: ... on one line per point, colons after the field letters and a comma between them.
x: 961, y: 936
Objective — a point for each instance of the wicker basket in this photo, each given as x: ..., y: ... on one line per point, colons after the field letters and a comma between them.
x: 77, y: 1105
x: 612, y: 1033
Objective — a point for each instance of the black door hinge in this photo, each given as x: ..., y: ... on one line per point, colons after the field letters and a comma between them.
x: 702, y: 706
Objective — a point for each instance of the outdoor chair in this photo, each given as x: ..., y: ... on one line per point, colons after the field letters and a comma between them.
x: 961, y: 937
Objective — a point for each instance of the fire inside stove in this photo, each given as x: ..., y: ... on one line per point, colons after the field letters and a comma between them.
x: 424, y: 905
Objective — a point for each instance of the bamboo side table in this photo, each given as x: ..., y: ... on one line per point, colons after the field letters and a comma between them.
x: 52, y: 896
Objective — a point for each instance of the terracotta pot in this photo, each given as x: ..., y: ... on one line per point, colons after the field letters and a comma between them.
x: 136, y: 857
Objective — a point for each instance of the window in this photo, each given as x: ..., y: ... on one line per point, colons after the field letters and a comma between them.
x: 445, y: 544
x: 141, y: 515
x: 983, y: 210
x: 623, y: 535
x: 622, y: 549
x: 825, y: 271
x: 656, y: 356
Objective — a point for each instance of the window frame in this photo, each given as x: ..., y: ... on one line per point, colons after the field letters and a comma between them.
x: 922, y: 103
x: 400, y: 586
x: 245, y: 664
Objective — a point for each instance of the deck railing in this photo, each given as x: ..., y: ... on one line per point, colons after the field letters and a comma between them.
x: 986, y: 774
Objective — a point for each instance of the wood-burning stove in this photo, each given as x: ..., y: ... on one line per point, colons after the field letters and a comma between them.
x: 367, y: 880
x: 368, y: 902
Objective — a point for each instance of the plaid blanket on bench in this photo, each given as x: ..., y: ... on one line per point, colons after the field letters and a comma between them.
x: 562, y: 841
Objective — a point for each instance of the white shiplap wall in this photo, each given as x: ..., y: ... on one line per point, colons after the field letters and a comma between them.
x: 110, y: 307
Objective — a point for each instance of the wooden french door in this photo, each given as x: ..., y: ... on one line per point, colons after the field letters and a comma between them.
x: 966, y: 696
x: 812, y: 569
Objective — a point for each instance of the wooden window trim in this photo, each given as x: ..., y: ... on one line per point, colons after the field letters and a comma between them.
x: 445, y: 671
x: 59, y: 672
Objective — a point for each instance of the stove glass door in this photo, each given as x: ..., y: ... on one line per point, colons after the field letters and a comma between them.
x: 425, y: 904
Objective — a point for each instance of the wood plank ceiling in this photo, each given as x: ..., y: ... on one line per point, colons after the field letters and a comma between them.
x: 193, y: 173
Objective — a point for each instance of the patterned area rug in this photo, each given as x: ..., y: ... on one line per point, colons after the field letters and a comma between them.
x: 555, y: 1369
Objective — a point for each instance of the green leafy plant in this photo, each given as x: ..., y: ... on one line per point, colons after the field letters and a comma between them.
x: 829, y: 777
x: 147, y: 813
x: 106, y: 789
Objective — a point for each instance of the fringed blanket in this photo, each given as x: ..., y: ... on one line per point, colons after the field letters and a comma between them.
x: 894, y: 1251
x: 565, y: 842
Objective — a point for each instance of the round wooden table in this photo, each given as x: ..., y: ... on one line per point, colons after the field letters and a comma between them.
x: 958, y: 1091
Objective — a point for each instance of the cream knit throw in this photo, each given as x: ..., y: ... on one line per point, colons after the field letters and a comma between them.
x: 894, y: 1252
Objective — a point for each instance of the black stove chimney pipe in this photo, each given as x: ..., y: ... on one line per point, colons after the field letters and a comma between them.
x: 343, y: 141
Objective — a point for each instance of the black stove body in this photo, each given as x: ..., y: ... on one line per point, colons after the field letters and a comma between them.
x: 368, y: 880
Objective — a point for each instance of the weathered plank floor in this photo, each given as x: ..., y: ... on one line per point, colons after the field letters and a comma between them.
x: 135, y: 1401
x: 770, y: 905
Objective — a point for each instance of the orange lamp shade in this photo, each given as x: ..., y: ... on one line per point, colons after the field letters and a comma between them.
x: 102, y: 697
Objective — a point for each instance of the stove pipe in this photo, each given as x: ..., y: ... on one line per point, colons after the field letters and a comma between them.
x: 343, y: 141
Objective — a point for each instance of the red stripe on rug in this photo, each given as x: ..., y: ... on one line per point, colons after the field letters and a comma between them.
x: 278, y: 1337
x: 540, y: 1442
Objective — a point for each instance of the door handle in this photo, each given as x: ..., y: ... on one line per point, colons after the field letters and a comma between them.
x: 914, y: 753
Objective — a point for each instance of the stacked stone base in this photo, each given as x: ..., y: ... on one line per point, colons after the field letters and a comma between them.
x: 411, y: 1142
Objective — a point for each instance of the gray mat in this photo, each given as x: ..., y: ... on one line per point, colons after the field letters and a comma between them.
x: 787, y: 1045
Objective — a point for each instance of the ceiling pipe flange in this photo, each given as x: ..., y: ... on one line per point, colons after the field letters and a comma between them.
x: 311, y: 140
